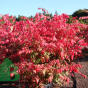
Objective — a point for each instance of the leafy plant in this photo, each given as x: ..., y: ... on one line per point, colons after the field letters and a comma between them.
x: 43, y: 48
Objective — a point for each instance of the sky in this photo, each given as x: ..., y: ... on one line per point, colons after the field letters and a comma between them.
x: 30, y: 7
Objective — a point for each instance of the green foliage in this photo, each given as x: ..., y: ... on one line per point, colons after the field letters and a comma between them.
x: 70, y: 19
x: 83, y: 21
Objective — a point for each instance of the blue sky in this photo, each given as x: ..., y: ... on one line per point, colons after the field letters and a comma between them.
x: 30, y: 7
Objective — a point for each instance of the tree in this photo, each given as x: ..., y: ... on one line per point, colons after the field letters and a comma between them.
x: 80, y: 13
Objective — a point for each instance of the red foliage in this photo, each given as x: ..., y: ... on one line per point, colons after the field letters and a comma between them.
x: 42, y: 47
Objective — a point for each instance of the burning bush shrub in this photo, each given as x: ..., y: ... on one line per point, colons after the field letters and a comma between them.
x: 43, y: 48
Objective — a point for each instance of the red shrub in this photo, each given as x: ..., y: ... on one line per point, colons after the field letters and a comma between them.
x: 43, y: 48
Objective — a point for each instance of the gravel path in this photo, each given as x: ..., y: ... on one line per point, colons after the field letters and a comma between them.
x: 81, y: 82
